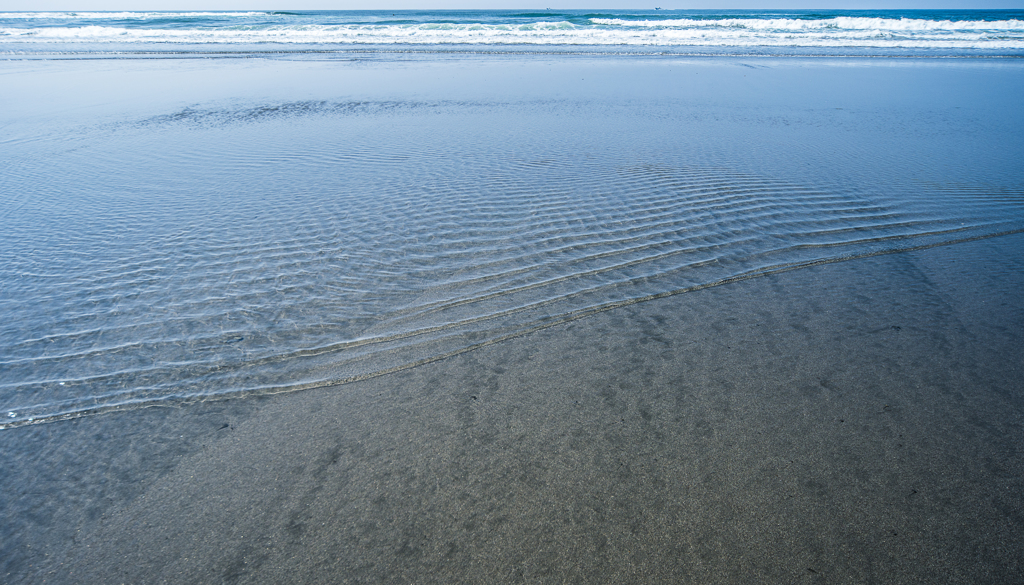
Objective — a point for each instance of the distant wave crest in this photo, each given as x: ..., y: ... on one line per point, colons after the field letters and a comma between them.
x: 841, y: 22
x: 736, y: 32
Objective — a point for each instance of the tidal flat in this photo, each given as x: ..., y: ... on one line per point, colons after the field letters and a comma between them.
x: 478, y: 318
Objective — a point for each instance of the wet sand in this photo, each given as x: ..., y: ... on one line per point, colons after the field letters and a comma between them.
x: 860, y: 421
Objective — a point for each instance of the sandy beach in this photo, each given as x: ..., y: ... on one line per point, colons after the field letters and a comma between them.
x: 310, y: 312
x: 853, y: 422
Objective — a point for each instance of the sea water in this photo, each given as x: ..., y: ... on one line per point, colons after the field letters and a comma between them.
x: 202, y: 205
x: 688, y: 31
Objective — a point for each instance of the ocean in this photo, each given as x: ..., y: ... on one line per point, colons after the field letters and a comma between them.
x: 486, y: 297
x: 874, y: 32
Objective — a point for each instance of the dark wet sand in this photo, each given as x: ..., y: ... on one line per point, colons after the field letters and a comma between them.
x: 855, y: 422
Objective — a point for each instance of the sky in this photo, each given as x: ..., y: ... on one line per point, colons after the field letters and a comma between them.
x: 142, y: 5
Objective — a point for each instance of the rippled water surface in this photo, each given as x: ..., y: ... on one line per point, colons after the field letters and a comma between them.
x: 245, y: 228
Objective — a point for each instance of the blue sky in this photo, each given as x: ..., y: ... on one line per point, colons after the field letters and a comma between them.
x: 139, y: 5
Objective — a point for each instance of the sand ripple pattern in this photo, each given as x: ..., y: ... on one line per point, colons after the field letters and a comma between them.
x: 278, y: 270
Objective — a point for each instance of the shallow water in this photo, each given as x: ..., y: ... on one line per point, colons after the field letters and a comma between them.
x: 177, y: 230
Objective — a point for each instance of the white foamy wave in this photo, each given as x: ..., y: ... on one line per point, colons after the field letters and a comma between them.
x: 753, y: 34
x: 841, y: 22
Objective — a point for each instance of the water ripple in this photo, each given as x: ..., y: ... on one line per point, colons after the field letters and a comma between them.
x: 228, y: 265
